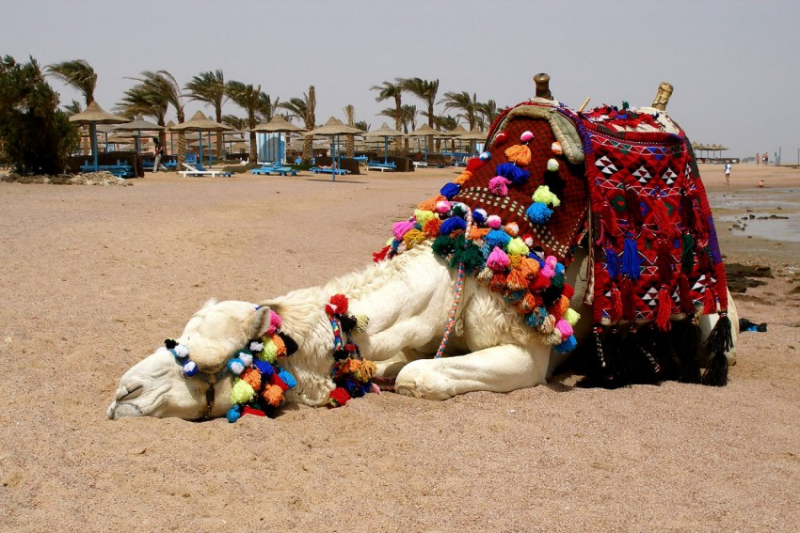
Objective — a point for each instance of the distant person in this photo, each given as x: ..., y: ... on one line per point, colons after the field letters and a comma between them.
x: 159, y: 153
x: 758, y: 159
x: 761, y: 184
x: 765, y: 159
x: 727, y: 173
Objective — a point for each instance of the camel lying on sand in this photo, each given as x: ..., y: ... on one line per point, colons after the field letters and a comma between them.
x: 407, y: 301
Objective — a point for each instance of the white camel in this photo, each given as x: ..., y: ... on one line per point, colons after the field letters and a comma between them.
x: 407, y: 300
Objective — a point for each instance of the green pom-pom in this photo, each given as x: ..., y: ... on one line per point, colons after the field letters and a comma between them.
x: 242, y: 392
x: 423, y: 216
x: 572, y: 316
x: 625, y: 104
x: 362, y: 321
x: 443, y: 246
x: 558, y: 280
x: 517, y: 247
x: 468, y: 253
x: 460, y: 210
x: 543, y: 195
x: 270, y: 351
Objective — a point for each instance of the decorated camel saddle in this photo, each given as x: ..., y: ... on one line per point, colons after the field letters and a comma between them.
x: 492, y: 268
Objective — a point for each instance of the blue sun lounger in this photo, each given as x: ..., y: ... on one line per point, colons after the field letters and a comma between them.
x: 320, y: 170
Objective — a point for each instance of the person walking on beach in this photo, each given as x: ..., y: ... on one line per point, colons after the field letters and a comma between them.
x: 727, y: 173
x: 159, y: 153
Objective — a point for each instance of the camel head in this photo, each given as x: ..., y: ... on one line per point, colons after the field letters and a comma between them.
x: 160, y: 386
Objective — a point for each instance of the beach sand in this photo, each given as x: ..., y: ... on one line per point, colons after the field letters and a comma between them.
x: 95, y: 278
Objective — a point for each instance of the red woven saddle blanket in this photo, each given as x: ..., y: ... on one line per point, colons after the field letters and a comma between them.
x: 654, y: 246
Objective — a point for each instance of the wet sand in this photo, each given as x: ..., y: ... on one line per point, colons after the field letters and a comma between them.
x: 94, y: 278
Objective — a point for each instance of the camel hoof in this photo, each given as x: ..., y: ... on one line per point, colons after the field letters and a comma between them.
x: 418, y: 380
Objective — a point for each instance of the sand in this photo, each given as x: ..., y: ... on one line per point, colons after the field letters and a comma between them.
x: 94, y: 278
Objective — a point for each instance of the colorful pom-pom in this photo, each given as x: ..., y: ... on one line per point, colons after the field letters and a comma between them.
x: 539, y: 213
x: 494, y: 221
x: 572, y: 316
x: 256, y: 346
x: 339, y: 397
x: 234, y: 414
x: 443, y: 206
x: 452, y: 224
x: 253, y: 377
x: 264, y: 367
x: 528, y: 240
x: 517, y: 175
x: 422, y: 217
x: 270, y: 351
x: 552, y: 165
x: 564, y: 328
x: 181, y: 351
x: 449, y: 190
x: 526, y: 136
x: 236, y: 366
x: 401, y: 228
x: 497, y: 238
x: 543, y: 195
x: 337, y: 305
x: 287, y: 378
x: 517, y: 247
x: 485, y: 156
x: 519, y: 154
x: 275, y: 322
x: 479, y: 216
x: 512, y: 228
x: 242, y: 392
x: 190, y: 369
x: 549, y: 269
x: 568, y: 345
x: 474, y: 164
x: 498, y: 260
x: 273, y: 395
x: 556, y: 148
x: 499, y: 186
x: 500, y: 138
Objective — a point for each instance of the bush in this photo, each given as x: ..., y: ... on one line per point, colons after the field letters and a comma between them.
x: 36, y: 137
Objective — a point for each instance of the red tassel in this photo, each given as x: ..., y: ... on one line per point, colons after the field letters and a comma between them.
x: 616, y: 305
x: 474, y: 164
x: 539, y: 283
x: 337, y: 305
x: 276, y: 380
x: 252, y: 411
x: 664, y: 261
x: 634, y: 209
x: 380, y: 256
x: 687, y: 305
x: 628, y: 294
x: 687, y: 206
x: 661, y: 217
x: 704, y: 261
x: 568, y: 291
x: 709, y: 302
x: 663, y: 310
x: 610, y: 220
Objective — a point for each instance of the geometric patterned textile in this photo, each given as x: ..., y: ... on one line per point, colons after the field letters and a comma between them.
x: 655, y: 248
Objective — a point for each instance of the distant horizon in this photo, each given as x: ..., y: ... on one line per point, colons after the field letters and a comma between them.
x: 728, y: 61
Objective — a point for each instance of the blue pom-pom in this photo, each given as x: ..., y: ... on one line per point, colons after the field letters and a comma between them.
x: 559, y: 268
x: 539, y: 213
x: 234, y: 414
x: 190, y: 369
x: 264, y: 367
x: 517, y: 175
x: 452, y: 224
x: 485, y: 156
x: 536, y: 317
x: 287, y: 378
x: 450, y: 190
x: 567, y: 345
x: 236, y: 366
x: 479, y: 216
x: 498, y: 238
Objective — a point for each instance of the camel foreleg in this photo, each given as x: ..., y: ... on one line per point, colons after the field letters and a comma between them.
x: 497, y: 369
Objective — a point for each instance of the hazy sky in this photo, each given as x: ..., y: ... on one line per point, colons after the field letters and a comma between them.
x: 735, y: 65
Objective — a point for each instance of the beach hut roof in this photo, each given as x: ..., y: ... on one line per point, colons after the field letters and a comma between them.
x: 96, y: 114
x: 384, y: 131
x: 425, y: 131
x: 200, y: 122
x: 334, y: 126
x: 474, y: 135
x: 276, y: 125
x: 139, y: 124
x: 458, y: 131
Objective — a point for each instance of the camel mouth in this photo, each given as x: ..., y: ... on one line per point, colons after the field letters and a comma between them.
x: 116, y: 410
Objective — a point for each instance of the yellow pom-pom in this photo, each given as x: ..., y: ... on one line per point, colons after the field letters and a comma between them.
x: 413, y: 237
x: 423, y: 216
x: 517, y: 247
x: 519, y: 154
x: 572, y: 316
x: 242, y: 392
x: 362, y: 321
x: 270, y: 351
x: 366, y: 372
x: 544, y: 196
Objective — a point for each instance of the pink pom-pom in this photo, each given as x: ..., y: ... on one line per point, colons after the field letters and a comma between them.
x: 499, y: 185
x: 564, y: 328
x: 275, y: 322
x: 498, y: 260
x: 494, y: 221
x: 526, y: 137
x: 512, y: 229
x: 401, y: 228
x: 549, y: 269
x: 442, y: 206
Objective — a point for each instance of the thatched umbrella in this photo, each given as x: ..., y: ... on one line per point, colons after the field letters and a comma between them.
x: 200, y: 123
x: 425, y: 131
x: 139, y: 125
x: 384, y: 131
x: 94, y: 115
x: 278, y: 125
x: 473, y: 135
x: 334, y: 128
x: 456, y: 133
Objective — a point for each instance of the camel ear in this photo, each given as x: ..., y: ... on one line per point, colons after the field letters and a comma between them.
x: 257, y: 323
x: 209, y: 303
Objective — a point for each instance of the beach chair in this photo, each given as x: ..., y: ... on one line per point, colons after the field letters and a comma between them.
x: 329, y: 170
x: 383, y: 167
x: 192, y: 171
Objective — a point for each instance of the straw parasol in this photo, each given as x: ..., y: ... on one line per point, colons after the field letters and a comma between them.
x: 384, y: 131
x: 278, y: 125
x: 425, y: 131
x: 473, y: 135
x: 200, y: 123
x: 94, y: 115
x: 139, y: 125
x: 334, y: 128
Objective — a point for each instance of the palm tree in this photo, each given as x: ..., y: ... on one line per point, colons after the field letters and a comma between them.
x: 304, y: 109
x: 488, y: 112
x: 362, y: 125
x: 163, y: 86
x: 266, y: 107
x: 79, y: 75
x: 350, y: 116
x: 408, y: 118
x: 248, y: 97
x: 394, y: 91
x: 444, y: 123
x: 235, y: 122
x: 73, y: 108
x: 142, y: 99
x: 425, y: 91
x: 469, y: 108
x: 209, y: 87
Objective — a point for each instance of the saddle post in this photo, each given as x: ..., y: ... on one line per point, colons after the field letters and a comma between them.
x: 662, y: 96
